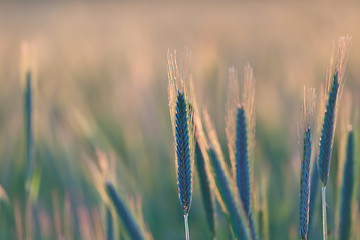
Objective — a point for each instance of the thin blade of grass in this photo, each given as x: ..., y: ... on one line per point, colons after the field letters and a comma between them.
x: 207, y: 196
x: 347, y: 190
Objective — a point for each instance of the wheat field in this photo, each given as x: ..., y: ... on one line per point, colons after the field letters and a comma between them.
x: 99, y: 90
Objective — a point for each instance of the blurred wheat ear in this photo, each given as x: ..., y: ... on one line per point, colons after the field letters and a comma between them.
x: 109, y: 224
x: 29, y: 186
x: 263, y: 215
x: 304, y: 185
x: 28, y: 131
x: 221, y: 183
x: 238, y: 224
x: 124, y: 213
x: 347, y: 190
x: 207, y: 196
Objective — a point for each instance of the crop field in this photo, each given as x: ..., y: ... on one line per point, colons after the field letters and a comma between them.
x: 179, y: 120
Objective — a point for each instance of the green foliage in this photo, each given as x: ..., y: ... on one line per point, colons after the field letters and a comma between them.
x: 64, y: 127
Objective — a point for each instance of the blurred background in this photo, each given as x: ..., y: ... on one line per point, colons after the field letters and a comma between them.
x: 100, y: 80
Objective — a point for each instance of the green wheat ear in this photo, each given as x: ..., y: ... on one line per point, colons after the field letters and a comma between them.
x: 328, y: 126
x: 326, y: 139
x: 306, y: 123
x: 184, y: 171
x: 240, y: 131
x: 28, y: 131
x: 304, y: 184
x: 181, y: 113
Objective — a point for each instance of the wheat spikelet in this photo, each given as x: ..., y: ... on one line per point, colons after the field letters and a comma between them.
x: 332, y: 97
x: 242, y: 167
x: 304, y: 185
x: 183, y: 154
x: 326, y: 139
x: 242, y: 161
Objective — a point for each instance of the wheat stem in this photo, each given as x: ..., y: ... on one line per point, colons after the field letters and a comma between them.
x: 186, y: 221
x: 324, y: 221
